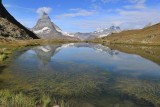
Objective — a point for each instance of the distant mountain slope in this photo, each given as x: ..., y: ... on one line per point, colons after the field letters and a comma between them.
x: 146, y: 35
x: 105, y: 32
x: 97, y: 34
x: 10, y: 28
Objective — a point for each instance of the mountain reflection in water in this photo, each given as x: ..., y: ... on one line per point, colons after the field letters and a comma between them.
x: 85, y: 75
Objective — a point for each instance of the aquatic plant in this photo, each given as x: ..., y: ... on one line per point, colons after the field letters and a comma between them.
x: 141, y: 89
x: 61, y: 89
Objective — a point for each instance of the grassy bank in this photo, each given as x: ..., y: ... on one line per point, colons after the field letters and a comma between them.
x: 7, y: 47
x: 5, y: 52
x: 33, y: 42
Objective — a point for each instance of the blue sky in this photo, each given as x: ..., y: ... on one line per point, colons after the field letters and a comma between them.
x: 87, y: 15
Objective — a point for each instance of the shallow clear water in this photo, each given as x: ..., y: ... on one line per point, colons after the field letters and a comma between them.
x: 84, y: 75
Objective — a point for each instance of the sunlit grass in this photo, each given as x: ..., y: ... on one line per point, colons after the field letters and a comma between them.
x: 3, y: 57
x: 6, y: 52
x: 8, y: 99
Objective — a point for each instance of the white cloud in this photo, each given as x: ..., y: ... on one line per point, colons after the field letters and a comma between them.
x: 116, y: 1
x: 76, y: 12
x: 136, y: 4
x: 137, y: 1
x: 132, y: 16
x: 42, y: 10
x: 126, y: 19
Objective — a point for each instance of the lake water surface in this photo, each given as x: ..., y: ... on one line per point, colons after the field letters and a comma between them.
x: 85, y: 75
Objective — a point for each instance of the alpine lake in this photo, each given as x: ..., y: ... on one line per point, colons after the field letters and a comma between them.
x: 81, y: 75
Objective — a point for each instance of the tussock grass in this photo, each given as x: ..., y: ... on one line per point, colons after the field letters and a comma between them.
x: 8, y: 99
x: 6, y: 51
x: 3, y: 57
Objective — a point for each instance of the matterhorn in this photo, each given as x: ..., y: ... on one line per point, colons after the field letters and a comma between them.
x: 46, y: 29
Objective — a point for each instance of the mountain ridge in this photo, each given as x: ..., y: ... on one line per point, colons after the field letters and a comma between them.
x: 147, y: 35
x: 97, y: 34
x: 11, y: 28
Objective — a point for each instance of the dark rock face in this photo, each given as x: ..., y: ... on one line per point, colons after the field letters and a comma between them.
x: 10, y: 28
x: 45, y: 28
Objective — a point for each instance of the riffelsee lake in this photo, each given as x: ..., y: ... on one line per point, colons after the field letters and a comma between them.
x: 86, y: 75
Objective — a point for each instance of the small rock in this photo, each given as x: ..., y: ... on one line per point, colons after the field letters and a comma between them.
x: 56, y: 106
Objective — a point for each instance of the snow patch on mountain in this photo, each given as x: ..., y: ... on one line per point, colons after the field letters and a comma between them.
x: 43, y: 30
x: 99, y: 33
x: 68, y: 34
x: 107, y: 31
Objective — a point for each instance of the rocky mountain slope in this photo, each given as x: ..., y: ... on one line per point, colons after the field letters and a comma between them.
x: 46, y: 29
x: 147, y: 35
x: 10, y: 28
x: 107, y: 31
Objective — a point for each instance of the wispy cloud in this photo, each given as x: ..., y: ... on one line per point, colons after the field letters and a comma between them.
x: 104, y: 1
x: 126, y: 19
x: 76, y: 13
x: 136, y: 4
x: 132, y: 15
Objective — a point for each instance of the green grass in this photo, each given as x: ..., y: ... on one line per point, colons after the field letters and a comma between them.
x: 3, y: 57
x: 8, y: 99
x: 146, y: 36
x: 5, y: 52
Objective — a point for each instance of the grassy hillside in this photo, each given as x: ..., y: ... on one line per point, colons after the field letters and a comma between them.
x: 148, y: 35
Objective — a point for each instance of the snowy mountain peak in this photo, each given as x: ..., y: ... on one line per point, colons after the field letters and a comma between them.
x: 98, y: 33
x: 45, y: 16
x: 45, y: 28
x: 44, y: 13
